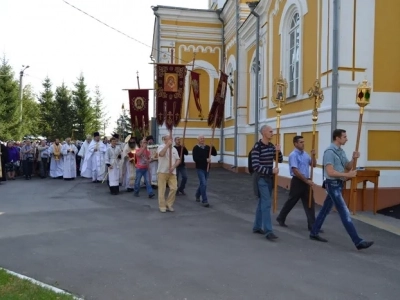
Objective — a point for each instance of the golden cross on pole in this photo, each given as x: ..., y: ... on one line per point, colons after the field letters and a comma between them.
x: 317, y: 94
x: 279, y: 100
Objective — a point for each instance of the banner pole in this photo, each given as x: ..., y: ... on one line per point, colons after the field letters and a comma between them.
x: 212, y: 139
x: 187, y: 108
x: 137, y: 77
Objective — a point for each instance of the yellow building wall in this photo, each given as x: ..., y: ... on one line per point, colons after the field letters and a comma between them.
x: 288, y: 143
x: 386, y: 46
x: 231, y: 51
x: 249, y: 142
x: 229, y: 123
x: 377, y: 145
x: 230, y: 144
x: 310, y: 35
x: 308, y: 142
x: 250, y: 53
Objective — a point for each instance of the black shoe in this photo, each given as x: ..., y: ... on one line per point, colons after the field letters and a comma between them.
x: 320, y: 231
x: 271, y: 236
x: 281, y: 223
x: 364, y: 245
x: 197, y: 199
x: 318, y: 238
x: 205, y: 204
x: 129, y: 190
x: 260, y: 231
x: 152, y: 195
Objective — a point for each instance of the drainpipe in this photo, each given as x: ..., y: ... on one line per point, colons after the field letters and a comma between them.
x: 335, y: 64
x: 221, y: 159
x: 155, y: 8
x: 252, y: 6
x: 236, y: 86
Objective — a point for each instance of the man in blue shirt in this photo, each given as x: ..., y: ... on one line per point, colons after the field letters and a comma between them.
x: 337, y: 168
x: 299, y: 166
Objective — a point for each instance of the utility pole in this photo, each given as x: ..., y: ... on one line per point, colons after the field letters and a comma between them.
x: 21, y: 74
x: 335, y: 64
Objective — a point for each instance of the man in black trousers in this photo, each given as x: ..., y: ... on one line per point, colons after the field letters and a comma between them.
x: 299, y: 165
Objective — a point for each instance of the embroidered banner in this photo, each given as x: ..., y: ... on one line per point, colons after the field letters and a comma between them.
x: 170, y: 91
x: 217, y: 110
x: 196, y: 91
x: 139, y: 108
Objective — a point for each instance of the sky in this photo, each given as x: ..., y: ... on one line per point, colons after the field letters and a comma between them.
x: 60, y: 42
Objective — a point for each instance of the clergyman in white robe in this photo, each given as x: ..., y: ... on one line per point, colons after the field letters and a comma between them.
x: 69, y: 152
x: 112, y: 159
x: 96, y: 155
x: 82, y: 153
x: 128, y: 170
x: 56, y: 161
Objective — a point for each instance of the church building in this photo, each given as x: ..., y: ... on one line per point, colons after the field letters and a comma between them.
x: 303, y: 41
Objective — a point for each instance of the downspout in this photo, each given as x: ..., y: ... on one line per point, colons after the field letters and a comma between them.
x: 252, y: 6
x: 155, y: 8
x: 335, y: 64
x: 236, y: 89
x: 221, y: 158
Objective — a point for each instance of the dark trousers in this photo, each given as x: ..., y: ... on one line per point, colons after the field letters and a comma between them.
x: 27, y: 166
x: 181, y: 173
x: 298, y: 190
x: 43, y: 167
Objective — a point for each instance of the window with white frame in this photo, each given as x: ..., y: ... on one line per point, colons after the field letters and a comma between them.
x: 293, y: 46
x: 255, y: 71
x: 229, y: 93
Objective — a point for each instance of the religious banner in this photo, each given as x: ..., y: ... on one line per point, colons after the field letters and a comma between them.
x: 139, y: 108
x: 170, y: 91
x: 196, y: 91
x: 217, y: 110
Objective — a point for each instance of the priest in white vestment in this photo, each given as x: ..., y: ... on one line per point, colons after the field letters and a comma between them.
x: 96, y: 155
x: 128, y: 170
x: 82, y: 153
x: 56, y: 160
x: 153, y: 166
x: 112, y: 159
x: 69, y: 152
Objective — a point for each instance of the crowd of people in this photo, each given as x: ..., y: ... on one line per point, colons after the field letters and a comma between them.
x: 131, y: 164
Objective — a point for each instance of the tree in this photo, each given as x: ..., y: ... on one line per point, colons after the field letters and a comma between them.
x: 84, y: 112
x: 47, y: 110
x: 31, y: 113
x: 100, y: 120
x: 9, y: 103
x: 124, y: 126
x: 64, y: 112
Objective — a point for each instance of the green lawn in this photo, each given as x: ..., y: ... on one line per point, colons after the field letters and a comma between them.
x: 14, y: 288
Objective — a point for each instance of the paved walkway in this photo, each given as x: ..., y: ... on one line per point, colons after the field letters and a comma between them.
x: 76, y: 236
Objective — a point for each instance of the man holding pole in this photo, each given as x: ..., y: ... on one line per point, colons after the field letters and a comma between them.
x: 299, y: 167
x: 262, y: 161
x: 337, y: 168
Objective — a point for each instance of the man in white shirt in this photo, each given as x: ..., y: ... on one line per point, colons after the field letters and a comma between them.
x: 166, y: 171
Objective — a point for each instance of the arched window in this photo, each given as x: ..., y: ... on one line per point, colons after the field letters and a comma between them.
x: 255, y: 71
x: 294, y: 55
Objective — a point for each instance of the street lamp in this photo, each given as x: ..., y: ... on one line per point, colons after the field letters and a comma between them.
x: 21, y: 74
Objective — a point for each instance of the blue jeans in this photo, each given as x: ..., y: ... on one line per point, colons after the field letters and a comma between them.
x: 263, y: 211
x: 181, y: 171
x: 202, y: 189
x: 139, y: 174
x: 334, y: 197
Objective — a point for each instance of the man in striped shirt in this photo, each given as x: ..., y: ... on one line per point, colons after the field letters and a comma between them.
x: 262, y: 161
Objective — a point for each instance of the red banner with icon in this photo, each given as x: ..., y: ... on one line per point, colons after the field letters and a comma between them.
x: 139, y: 109
x: 216, y: 114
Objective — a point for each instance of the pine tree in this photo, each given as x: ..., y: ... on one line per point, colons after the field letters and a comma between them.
x: 31, y: 110
x: 84, y: 112
x: 47, y: 110
x: 9, y: 103
x: 124, y: 127
x: 100, y: 120
x: 64, y: 113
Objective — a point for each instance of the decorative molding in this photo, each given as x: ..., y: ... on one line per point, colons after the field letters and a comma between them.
x: 230, y: 44
x: 193, y: 48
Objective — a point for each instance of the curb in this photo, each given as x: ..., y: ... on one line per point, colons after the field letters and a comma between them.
x: 378, y: 224
x: 41, y: 284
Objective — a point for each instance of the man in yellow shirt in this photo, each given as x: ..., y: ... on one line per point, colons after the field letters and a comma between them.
x: 167, y: 174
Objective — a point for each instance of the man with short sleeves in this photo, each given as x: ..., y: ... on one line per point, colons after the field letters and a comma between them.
x: 166, y: 171
x: 299, y: 167
x: 337, y: 168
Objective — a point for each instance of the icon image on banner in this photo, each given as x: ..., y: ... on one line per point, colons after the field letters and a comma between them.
x: 171, y: 82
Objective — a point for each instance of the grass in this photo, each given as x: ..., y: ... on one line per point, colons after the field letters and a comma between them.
x: 14, y: 288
